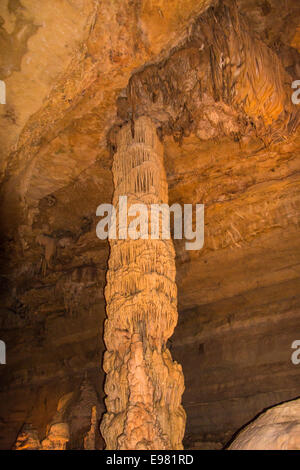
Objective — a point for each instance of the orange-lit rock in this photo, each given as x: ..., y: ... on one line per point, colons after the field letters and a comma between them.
x: 27, y: 439
x: 57, y: 438
x: 143, y: 385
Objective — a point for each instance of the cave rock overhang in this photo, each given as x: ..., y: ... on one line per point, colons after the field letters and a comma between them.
x: 223, y: 81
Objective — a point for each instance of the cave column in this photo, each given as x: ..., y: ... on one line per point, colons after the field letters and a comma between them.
x: 143, y: 384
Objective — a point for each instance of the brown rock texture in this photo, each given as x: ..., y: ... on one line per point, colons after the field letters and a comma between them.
x: 91, y: 436
x: 276, y: 429
x: 27, y: 439
x: 143, y: 385
x: 222, y: 68
x: 73, y: 426
x: 57, y: 438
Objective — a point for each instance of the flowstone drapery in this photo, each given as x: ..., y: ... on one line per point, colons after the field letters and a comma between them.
x: 143, y: 384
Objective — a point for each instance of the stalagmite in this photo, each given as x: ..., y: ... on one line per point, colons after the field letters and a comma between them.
x: 143, y: 384
x: 89, y: 441
x: 57, y: 438
x: 27, y: 439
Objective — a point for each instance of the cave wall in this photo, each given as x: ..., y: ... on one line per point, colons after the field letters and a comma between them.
x: 238, y: 298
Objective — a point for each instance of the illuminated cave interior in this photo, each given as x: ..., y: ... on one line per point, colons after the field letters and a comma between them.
x: 145, y: 344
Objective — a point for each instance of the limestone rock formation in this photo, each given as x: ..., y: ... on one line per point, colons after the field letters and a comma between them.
x: 83, y: 417
x: 58, y: 433
x: 75, y: 424
x: 143, y: 384
x: 57, y: 438
x: 215, y: 77
x: 27, y: 439
x: 91, y: 436
x: 276, y: 429
x: 221, y: 69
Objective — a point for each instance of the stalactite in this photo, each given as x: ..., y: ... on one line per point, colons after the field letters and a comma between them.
x: 221, y: 63
x: 143, y: 384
